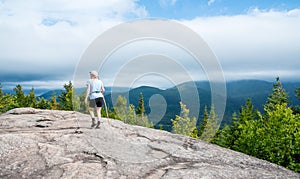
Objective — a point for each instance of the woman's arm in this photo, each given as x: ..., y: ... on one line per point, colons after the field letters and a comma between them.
x: 102, y: 89
x: 87, y: 93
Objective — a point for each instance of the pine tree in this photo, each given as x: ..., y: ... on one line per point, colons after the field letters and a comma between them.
x: 7, y: 103
x: 211, y: 127
x: 121, y: 108
x: 83, y: 107
x: 142, y: 119
x: 1, y: 92
x: 298, y: 93
x: 278, y: 96
x: 296, y: 108
x: 248, y: 118
x: 43, y: 104
x: 280, y: 138
x: 20, y: 97
x: 68, y: 99
x: 31, y: 99
x: 204, y: 122
x: 54, y: 105
x: 183, y: 124
x: 141, y: 108
x: 131, y: 116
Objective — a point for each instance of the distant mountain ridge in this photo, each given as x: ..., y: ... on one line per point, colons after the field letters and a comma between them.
x: 237, y: 94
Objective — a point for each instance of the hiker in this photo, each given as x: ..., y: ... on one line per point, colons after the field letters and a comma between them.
x: 94, y: 93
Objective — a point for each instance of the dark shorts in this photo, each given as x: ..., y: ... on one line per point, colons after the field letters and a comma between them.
x: 96, y: 102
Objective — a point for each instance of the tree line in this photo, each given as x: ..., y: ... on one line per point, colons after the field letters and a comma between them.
x: 69, y: 100
x: 273, y: 135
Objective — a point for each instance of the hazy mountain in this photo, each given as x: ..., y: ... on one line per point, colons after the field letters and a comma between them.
x: 237, y: 94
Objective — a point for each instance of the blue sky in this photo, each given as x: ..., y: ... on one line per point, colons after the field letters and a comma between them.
x: 42, y: 41
x: 189, y: 9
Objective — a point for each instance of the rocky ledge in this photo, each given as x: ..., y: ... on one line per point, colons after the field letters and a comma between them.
x: 60, y: 144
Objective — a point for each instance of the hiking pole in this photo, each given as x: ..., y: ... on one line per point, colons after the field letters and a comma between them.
x: 106, y: 109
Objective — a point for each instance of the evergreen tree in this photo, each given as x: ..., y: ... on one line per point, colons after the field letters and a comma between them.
x: 142, y: 120
x: 229, y: 136
x: 121, y: 108
x: 131, y: 116
x: 183, y: 124
x: 298, y: 93
x: 1, y: 92
x: 278, y: 96
x: 20, y: 97
x: 7, y: 103
x: 43, y: 104
x: 211, y: 126
x: 280, y: 138
x: 248, y: 118
x: 83, y: 107
x: 141, y: 108
x: 204, y: 122
x: 54, y: 105
x: 296, y: 108
x: 68, y: 99
x: 31, y: 99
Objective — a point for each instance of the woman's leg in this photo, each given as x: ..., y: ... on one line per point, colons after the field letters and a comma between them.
x: 98, y: 109
x: 91, y: 110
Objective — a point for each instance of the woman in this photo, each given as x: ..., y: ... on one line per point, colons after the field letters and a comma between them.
x: 94, y: 92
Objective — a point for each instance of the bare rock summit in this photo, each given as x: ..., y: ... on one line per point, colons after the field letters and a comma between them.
x: 61, y: 144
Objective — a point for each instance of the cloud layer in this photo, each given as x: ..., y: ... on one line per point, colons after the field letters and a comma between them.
x: 254, y: 45
x: 44, y: 40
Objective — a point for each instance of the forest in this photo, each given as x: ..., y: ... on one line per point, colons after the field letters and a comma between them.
x: 272, y: 134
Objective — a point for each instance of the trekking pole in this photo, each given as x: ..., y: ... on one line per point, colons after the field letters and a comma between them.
x: 106, y: 109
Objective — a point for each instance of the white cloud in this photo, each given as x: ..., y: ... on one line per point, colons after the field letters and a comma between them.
x: 165, y: 3
x: 258, y: 41
x: 44, y: 36
x: 48, y: 37
x: 210, y: 2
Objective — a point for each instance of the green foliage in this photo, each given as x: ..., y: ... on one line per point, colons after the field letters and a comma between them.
x: 68, y: 99
x: 278, y: 96
x: 131, y: 117
x: 121, y: 108
x: 161, y: 127
x: 43, y: 104
x: 245, y: 117
x: 20, y: 97
x: 298, y: 93
x: 141, y: 108
x: 296, y: 108
x: 128, y: 114
x: 1, y: 92
x: 31, y: 99
x: 183, y: 124
x: 54, y: 105
x: 204, y: 122
x: 112, y: 114
x: 142, y: 120
x: 281, y: 138
x: 210, y: 126
x: 7, y: 103
x: 274, y: 136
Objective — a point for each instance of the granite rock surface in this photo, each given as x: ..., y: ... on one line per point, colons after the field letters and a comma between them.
x: 61, y: 144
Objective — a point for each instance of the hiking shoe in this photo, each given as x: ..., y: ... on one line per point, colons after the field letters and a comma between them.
x: 98, y: 124
x: 93, y: 123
